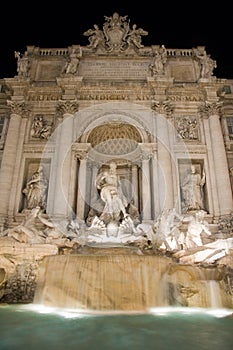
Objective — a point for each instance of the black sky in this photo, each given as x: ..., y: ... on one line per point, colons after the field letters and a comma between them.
x: 184, y: 24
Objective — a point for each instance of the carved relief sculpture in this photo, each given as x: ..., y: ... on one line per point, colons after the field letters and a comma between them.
x: 40, y: 128
x: 187, y: 128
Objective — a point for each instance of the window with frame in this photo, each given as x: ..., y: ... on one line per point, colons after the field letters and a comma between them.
x: 230, y: 127
x: 2, y: 120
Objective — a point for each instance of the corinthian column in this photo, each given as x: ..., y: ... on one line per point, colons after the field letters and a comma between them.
x: 165, y: 180
x: 223, y: 185
x: 61, y: 174
x: 135, y: 185
x: 81, y: 155
x: 12, y: 154
x: 146, y: 183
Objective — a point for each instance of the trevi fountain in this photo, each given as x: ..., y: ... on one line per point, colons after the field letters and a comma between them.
x: 116, y: 189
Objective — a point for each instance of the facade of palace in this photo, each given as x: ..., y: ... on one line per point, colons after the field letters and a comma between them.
x: 160, y: 114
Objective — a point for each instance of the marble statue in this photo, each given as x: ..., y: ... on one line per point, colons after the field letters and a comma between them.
x: 192, y: 190
x: 112, y: 195
x: 72, y: 64
x: 196, y: 227
x: 167, y: 235
x: 207, y: 65
x: 36, y: 190
x: 95, y: 36
x: 22, y: 64
x: 26, y: 232
x: 159, y: 60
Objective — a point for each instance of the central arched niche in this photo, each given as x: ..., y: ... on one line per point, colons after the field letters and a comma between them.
x: 116, y: 141
x: 114, y: 138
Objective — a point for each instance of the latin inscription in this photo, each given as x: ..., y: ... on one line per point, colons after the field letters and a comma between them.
x: 121, y: 69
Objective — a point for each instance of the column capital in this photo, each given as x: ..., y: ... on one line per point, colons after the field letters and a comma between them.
x: 162, y: 107
x: 210, y: 108
x: 67, y: 106
x: 147, y: 150
x: 80, y: 150
x: 19, y: 108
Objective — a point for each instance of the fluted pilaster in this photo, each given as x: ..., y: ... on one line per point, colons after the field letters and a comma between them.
x: 166, y: 194
x: 12, y: 155
x: 223, y: 186
x: 59, y: 204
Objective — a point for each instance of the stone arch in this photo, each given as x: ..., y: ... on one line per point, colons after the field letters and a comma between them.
x: 114, y: 113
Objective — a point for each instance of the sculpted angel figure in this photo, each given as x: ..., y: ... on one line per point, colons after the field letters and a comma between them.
x: 134, y: 36
x: 96, y: 36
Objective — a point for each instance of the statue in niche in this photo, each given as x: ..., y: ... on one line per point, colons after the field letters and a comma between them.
x: 192, y: 190
x: 71, y: 65
x: 206, y: 63
x: 22, y: 64
x: 159, y: 60
x: 36, y: 190
x: 111, y: 194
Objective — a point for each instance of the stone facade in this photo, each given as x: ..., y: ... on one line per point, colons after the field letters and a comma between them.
x: 153, y: 110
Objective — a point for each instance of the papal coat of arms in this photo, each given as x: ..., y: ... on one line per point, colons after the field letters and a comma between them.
x: 116, y: 36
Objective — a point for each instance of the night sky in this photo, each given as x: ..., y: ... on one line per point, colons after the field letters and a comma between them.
x: 187, y: 24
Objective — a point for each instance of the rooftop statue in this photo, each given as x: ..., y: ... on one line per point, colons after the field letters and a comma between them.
x: 22, y: 64
x: 206, y: 64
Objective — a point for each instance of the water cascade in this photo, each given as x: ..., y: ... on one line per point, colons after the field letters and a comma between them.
x: 124, y: 282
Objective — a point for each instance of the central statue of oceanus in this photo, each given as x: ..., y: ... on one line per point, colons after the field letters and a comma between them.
x: 116, y: 222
